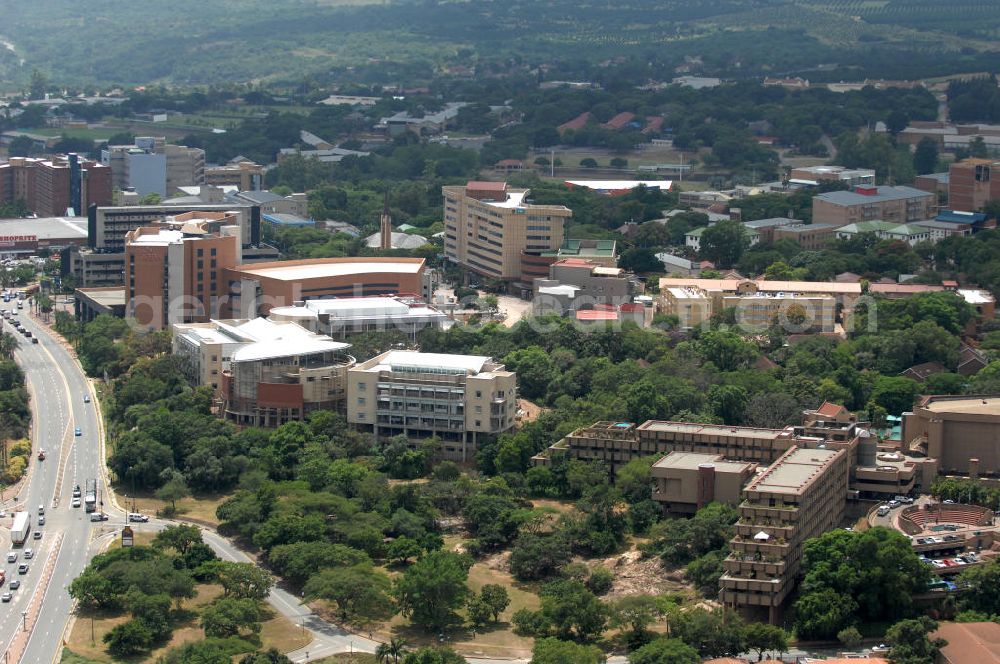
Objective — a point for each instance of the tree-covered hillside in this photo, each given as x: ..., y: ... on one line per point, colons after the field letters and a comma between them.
x: 216, y: 41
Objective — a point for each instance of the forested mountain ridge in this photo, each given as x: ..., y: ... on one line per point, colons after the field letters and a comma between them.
x: 220, y: 41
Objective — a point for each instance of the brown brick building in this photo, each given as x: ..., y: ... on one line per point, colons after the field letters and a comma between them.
x: 48, y: 186
x: 972, y: 183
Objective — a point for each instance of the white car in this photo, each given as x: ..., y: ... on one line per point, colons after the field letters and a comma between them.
x: 137, y: 518
x: 76, y: 502
x: 28, y: 554
x: 12, y: 557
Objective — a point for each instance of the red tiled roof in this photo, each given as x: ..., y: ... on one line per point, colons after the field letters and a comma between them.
x: 829, y: 409
x: 575, y: 262
x: 653, y: 124
x: 631, y: 308
x: 480, y: 185
x: 596, y: 315
x: 619, y: 120
x: 970, y: 643
x: 579, y: 122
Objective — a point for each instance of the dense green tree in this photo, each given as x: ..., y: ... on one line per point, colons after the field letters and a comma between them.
x: 129, y: 638
x: 555, y: 651
x: 910, y: 643
x: 228, y: 616
x: 926, y: 156
x: 572, y: 610
x: 433, y: 588
x: 762, y: 637
x: 360, y: 593
x: 245, y: 581
x: 665, y: 651
x: 723, y: 243
x: 716, y: 633
x: 856, y: 576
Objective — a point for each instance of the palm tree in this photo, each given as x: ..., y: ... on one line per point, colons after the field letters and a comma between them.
x: 8, y: 344
x: 397, y: 648
x: 382, y: 654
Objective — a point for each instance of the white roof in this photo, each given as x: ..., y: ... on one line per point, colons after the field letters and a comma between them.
x: 394, y: 360
x: 761, y: 537
x: 332, y: 269
x: 975, y: 296
x: 515, y: 199
x: 286, y: 347
x: 563, y: 289
x: 161, y: 238
x: 261, y: 338
x: 614, y: 185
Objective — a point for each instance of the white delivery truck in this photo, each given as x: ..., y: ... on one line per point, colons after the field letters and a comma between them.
x: 19, y: 531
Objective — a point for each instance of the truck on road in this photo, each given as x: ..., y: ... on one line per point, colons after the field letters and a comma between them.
x: 90, y: 496
x: 22, y: 526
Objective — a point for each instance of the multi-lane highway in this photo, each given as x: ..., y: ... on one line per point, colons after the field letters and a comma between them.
x: 42, y: 606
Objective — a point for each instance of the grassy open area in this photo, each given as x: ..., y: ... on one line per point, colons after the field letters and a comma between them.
x: 200, y: 509
x: 94, y: 134
x: 348, y: 658
x: 85, y: 640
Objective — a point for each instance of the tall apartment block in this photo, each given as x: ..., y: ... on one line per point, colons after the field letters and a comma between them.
x: 972, y: 183
x: 174, y: 274
x: 153, y: 166
x: 800, y: 496
x: 867, y: 203
x: 455, y: 398
x: 50, y: 187
x: 489, y: 227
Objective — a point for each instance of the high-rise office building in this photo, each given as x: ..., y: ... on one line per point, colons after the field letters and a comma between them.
x: 52, y: 187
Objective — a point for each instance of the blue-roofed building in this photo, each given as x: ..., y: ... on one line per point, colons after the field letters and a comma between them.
x: 957, y: 222
x: 286, y: 220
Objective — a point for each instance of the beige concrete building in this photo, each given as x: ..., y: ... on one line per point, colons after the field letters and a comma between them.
x: 798, y: 313
x: 867, y: 203
x: 488, y: 227
x: 961, y: 432
x: 264, y: 373
x: 757, y: 304
x: 454, y: 398
x: 800, y: 496
x: 684, y: 482
x: 574, y: 283
x: 617, y: 443
x: 691, y: 305
x: 243, y: 174
x: 153, y: 166
x: 814, y: 175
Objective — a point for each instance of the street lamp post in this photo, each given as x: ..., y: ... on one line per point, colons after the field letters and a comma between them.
x: 24, y: 620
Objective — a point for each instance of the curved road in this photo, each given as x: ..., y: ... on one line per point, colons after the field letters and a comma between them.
x: 57, y: 386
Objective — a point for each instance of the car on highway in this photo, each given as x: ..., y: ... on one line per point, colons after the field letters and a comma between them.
x: 22, y: 568
x: 77, y: 432
x: 76, y: 502
x: 12, y: 557
x: 15, y: 584
x: 28, y: 554
x: 6, y: 597
x: 37, y: 534
x: 76, y: 491
x: 86, y: 398
x: 135, y: 517
x: 99, y: 516
x: 34, y: 340
x: 41, y: 521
